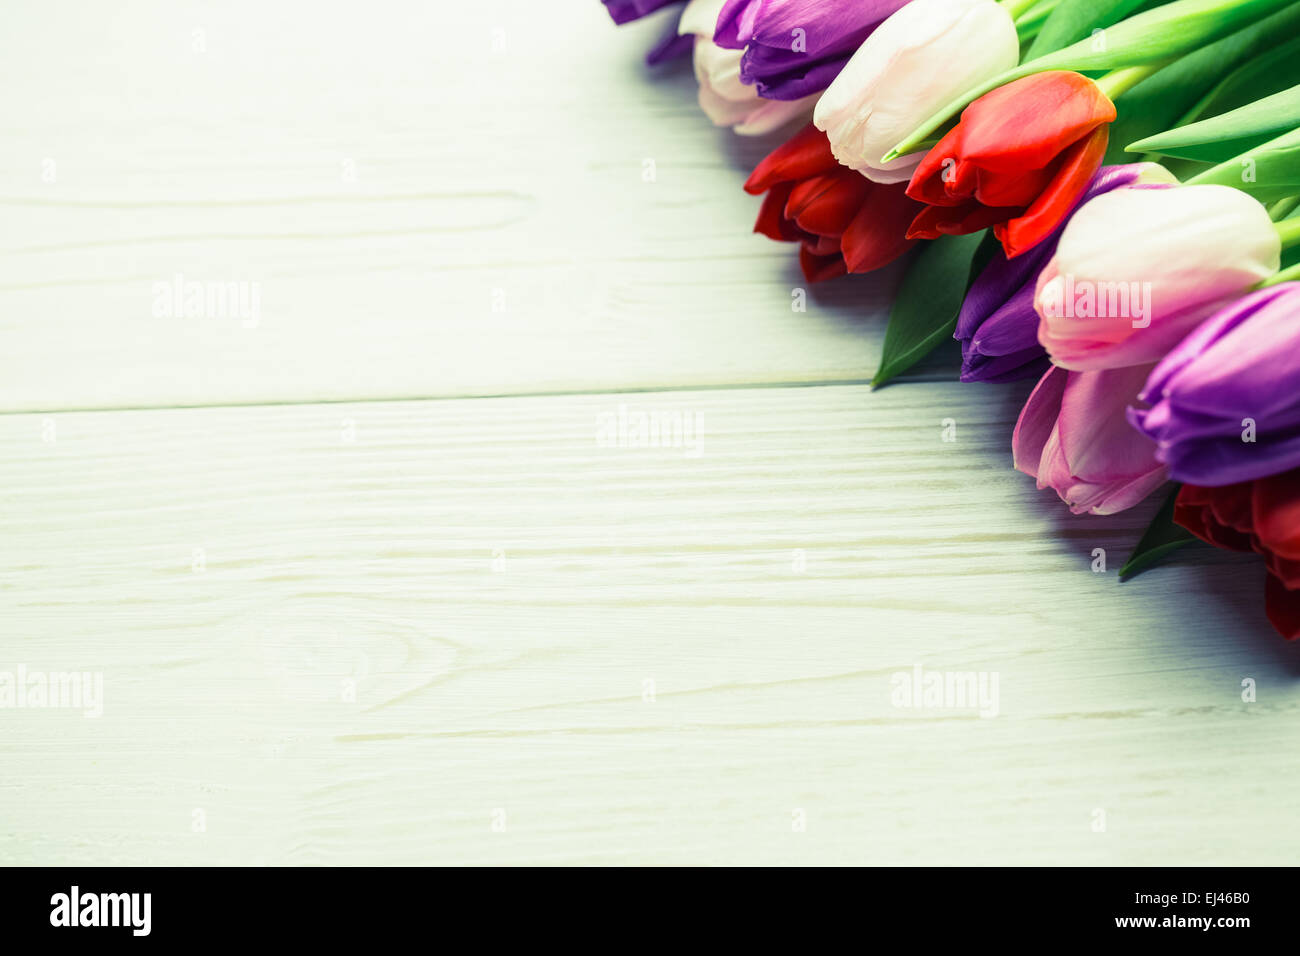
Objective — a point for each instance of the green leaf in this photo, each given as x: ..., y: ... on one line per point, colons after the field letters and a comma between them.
x: 1147, y: 39
x: 1073, y: 20
x: 925, y: 311
x: 1270, y: 72
x: 1268, y: 172
x: 1225, y: 137
x: 1161, y: 537
x: 1162, y: 101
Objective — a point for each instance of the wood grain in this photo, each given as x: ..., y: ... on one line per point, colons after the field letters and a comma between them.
x: 424, y: 215
x: 500, y: 588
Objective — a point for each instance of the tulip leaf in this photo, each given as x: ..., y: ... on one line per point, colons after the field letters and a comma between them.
x: 1270, y: 72
x: 1268, y: 172
x: 1072, y: 20
x: 925, y: 311
x: 1161, y: 538
x: 1221, y: 138
x: 1163, y: 101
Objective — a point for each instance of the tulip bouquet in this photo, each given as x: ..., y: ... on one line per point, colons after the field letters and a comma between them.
x: 1102, y: 194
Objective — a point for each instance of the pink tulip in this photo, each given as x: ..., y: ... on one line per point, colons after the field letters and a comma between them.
x: 1074, y: 438
x: 1140, y: 267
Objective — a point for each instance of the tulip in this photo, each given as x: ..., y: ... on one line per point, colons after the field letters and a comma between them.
x: 793, y: 48
x: 1073, y: 438
x: 1225, y: 403
x: 916, y: 61
x: 723, y: 97
x: 998, y: 327
x: 844, y: 221
x: 1139, y: 268
x: 1018, y: 160
x: 671, y: 45
x: 625, y: 11
x: 1261, y: 516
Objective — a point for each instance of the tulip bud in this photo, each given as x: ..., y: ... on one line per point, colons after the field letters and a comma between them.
x: 1018, y: 160
x: 844, y: 222
x: 1261, y: 516
x: 723, y: 97
x: 998, y: 327
x: 1139, y: 268
x: 1225, y: 403
x: 1073, y: 438
x: 625, y: 11
x: 793, y: 48
x: 916, y: 61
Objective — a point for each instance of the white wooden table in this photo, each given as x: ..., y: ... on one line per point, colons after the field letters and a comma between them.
x: 365, y: 585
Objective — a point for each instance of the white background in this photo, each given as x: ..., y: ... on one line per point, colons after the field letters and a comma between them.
x: 561, y: 653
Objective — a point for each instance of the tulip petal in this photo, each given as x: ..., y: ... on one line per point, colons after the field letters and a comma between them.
x: 878, y: 233
x: 820, y: 268
x: 825, y: 205
x: 804, y: 155
x: 935, y: 221
x: 1282, y: 606
x: 1037, y: 421
x: 771, y: 215
x: 1097, y: 439
x: 1275, y: 514
x: 928, y: 182
x: 1056, y: 199
x: 1028, y: 122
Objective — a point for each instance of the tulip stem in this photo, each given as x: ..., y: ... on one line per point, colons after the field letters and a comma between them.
x: 1286, y: 275
x: 1035, y: 15
x: 1283, y: 208
x: 1118, y: 82
x: 1017, y: 8
x: 1288, y: 230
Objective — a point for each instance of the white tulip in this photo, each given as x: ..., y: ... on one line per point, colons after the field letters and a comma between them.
x: 920, y: 59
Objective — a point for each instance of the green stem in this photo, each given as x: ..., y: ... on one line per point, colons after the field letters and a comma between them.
x: 1017, y: 8
x: 1283, y: 208
x: 1288, y: 230
x: 1028, y: 34
x: 1036, y: 16
x: 1286, y: 275
x: 1118, y: 82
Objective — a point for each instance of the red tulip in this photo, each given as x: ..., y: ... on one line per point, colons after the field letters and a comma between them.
x: 1261, y: 516
x: 845, y: 222
x: 1018, y: 160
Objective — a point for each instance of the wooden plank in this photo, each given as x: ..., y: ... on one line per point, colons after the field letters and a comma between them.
x: 637, y: 654
x: 424, y: 207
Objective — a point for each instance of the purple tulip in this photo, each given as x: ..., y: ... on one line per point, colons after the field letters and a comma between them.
x: 1225, y: 403
x: 625, y: 11
x: 670, y: 45
x: 998, y: 327
x: 797, y: 47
